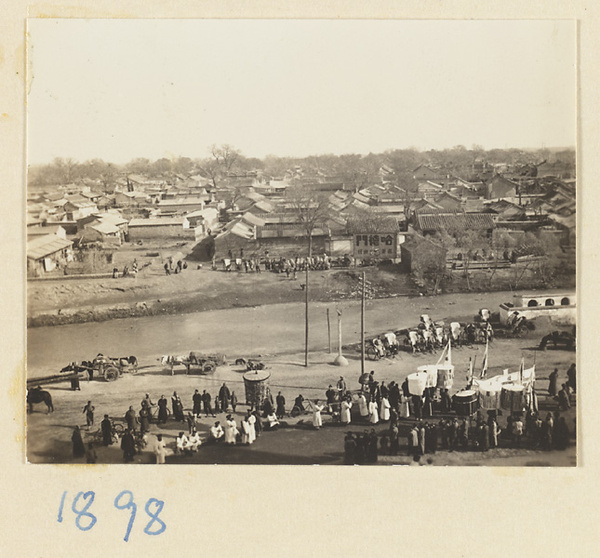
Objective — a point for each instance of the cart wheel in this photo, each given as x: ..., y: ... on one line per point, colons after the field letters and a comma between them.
x: 111, y: 374
x: 371, y: 353
x: 208, y: 367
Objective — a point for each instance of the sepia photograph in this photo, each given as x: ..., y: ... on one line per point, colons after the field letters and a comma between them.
x: 299, y: 242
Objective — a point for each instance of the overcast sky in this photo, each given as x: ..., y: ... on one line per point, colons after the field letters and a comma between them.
x: 120, y: 89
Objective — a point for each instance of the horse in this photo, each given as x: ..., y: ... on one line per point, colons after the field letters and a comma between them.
x: 38, y: 395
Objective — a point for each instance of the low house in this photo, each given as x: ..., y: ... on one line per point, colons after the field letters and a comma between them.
x: 144, y: 229
x: 104, y: 232
x: 47, y: 253
x: 181, y: 205
x: 437, y: 222
x: 36, y: 232
x: 203, y: 220
x: 130, y: 199
x: 75, y: 210
x: 449, y: 202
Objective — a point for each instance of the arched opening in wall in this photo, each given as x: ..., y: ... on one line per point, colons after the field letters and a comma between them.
x: 549, y: 302
x: 565, y: 301
x: 532, y: 303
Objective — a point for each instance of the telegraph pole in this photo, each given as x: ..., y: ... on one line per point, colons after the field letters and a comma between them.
x: 306, y: 318
x: 362, y: 325
x: 328, y: 331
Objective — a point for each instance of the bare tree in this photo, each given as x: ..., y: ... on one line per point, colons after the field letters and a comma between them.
x: 225, y: 155
x: 311, y: 210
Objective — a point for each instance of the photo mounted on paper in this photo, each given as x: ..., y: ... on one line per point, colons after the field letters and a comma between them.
x: 301, y: 242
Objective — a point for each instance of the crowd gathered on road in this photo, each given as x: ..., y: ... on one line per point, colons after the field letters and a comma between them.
x: 416, y: 426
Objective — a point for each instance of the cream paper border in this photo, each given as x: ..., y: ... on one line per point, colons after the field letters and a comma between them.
x: 298, y: 511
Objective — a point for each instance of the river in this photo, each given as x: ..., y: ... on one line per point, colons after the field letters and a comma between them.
x: 270, y: 329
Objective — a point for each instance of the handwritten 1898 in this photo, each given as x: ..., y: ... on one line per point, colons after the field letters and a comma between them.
x: 85, y: 520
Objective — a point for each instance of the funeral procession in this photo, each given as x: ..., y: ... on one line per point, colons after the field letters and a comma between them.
x: 407, y: 308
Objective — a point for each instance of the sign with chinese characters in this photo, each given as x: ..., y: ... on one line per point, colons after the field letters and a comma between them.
x: 380, y: 246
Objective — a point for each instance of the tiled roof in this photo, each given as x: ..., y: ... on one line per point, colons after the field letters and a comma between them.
x: 441, y: 221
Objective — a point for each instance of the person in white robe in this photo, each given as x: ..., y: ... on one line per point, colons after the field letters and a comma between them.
x: 362, y: 406
x: 384, y: 409
x: 160, y: 450
x: 346, y: 416
x: 182, y: 443
x: 317, y: 420
x: 373, y: 412
x: 216, y: 432
x: 231, y: 430
x: 272, y: 421
x: 245, y: 431
x: 252, y: 422
x: 195, y: 441
x: 404, y: 407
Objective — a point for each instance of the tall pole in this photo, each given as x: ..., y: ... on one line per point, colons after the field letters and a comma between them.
x: 362, y: 326
x: 306, y: 319
x: 328, y: 331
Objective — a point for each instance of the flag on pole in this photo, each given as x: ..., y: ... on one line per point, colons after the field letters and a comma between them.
x: 470, y: 373
x: 484, y: 367
x: 449, y: 357
x: 521, y: 370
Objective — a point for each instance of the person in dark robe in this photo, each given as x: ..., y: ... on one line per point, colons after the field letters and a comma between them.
x: 562, y: 434
x: 435, y: 434
x: 443, y: 428
x: 224, y: 396
x: 453, y: 434
x: 177, y: 408
x: 563, y: 399
x: 464, y: 434
x: 385, y: 392
x: 547, y: 432
x: 128, y: 446
x: 78, y: 447
x: 144, y: 417
x: 484, y: 441
x: 75, y: 384
x: 362, y: 443
x: 162, y: 410
x: 267, y: 408
x: 90, y: 454
x: 206, y: 400
x: 107, y: 428
x: 349, y: 449
x: 384, y: 444
x: 197, y: 403
x: 417, y: 406
x: 372, y: 447
x: 446, y: 403
x: 330, y: 397
x: 394, y: 441
x: 130, y: 419
x: 280, y: 399
x: 234, y: 400
x: 572, y: 377
x: 427, y: 406
x: 394, y: 396
x: 553, y: 383
x: 405, y: 389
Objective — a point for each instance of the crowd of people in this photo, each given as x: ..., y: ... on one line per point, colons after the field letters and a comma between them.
x: 374, y: 403
x: 288, y: 265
